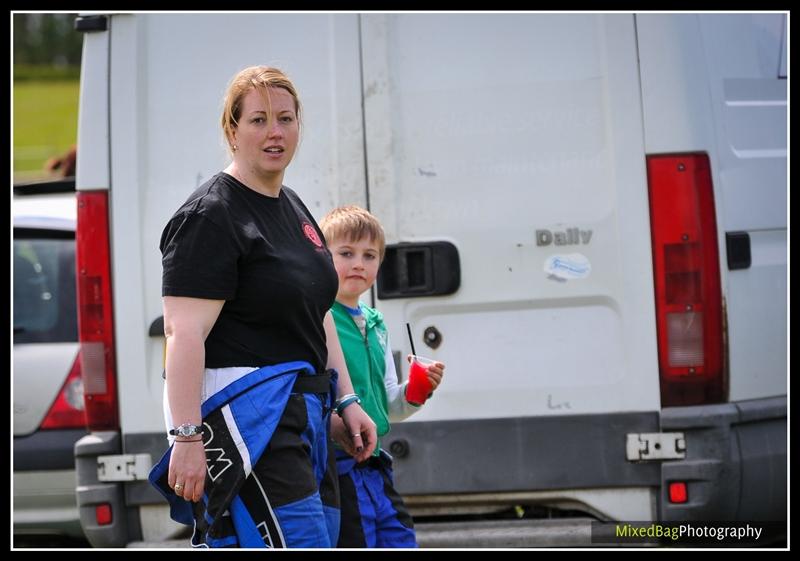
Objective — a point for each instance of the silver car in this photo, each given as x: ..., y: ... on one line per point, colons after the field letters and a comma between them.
x: 47, y: 387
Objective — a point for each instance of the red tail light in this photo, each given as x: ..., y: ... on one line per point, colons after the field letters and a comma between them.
x: 67, y: 411
x: 687, y: 281
x: 103, y: 514
x: 678, y: 492
x: 95, y: 321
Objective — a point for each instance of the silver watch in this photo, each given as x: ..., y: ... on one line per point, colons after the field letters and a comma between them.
x: 186, y: 429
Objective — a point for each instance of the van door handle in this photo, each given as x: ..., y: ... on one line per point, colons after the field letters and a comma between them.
x: 411, y: 270
x: 738, y: 250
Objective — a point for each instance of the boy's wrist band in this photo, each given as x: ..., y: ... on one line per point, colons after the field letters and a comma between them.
x: 344, y: 401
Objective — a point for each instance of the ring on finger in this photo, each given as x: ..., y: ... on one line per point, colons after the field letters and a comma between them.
x: 178, y: 487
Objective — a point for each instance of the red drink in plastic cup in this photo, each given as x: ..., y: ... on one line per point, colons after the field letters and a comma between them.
x: 419, y: 387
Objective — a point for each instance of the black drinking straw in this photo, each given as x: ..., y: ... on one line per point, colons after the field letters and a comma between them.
x: 411, y: 339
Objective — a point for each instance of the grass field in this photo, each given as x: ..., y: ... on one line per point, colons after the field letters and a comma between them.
x: 45, y: 124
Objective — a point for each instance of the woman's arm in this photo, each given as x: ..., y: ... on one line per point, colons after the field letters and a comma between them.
x: 187, y: 323
x: 358, y: 433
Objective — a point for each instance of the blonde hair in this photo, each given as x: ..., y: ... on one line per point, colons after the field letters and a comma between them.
x: 353, y: 223
x: 253, y: 77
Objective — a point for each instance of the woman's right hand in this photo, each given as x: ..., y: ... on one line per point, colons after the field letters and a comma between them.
x: 187, y: 468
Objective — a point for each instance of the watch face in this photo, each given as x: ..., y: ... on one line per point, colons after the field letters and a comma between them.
x: 187, y: 430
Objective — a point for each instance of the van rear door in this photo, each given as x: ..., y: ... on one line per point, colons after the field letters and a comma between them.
x: 529, y: 159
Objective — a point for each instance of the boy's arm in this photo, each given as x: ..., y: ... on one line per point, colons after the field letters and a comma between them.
x: 399, y: 408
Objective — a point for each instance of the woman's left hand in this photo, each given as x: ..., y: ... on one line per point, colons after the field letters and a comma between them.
x: 341, y: 435
x: 360, y: 435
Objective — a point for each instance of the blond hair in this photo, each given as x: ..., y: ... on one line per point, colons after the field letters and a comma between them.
x: 259, y: 78
x: 353, y: 223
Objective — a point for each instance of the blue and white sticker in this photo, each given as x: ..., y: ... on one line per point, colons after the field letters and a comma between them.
x: 568, y: 267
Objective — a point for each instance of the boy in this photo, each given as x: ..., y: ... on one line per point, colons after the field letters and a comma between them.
x: 373, y: 514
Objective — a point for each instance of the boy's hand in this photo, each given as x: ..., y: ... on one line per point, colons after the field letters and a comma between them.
x: 435, y: 373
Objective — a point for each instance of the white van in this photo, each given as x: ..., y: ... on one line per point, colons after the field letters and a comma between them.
x: 587, y: 219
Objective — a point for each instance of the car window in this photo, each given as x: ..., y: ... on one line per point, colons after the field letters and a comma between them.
x: 44, y: 287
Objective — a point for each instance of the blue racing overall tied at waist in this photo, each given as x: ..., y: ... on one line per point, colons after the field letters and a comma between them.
x: 239, y: 421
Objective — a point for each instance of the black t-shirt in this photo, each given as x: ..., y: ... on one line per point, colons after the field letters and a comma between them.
x: 266, y: 258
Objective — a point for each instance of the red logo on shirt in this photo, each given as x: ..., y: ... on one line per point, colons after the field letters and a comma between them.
x: 311, y: 234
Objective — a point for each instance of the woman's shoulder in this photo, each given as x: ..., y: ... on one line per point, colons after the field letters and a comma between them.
x: 296, y: 203
x: 291, y: 193
x: 208, y: 203
x: 209, y: 195
x: 212, y: 200
x: 292, y: 196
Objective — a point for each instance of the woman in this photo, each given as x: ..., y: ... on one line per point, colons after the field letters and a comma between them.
x: 247, y: 285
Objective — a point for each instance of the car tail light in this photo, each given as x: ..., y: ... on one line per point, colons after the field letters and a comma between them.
x: 67, y: 411
x: 95, y: 319
x: 687, y: 279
